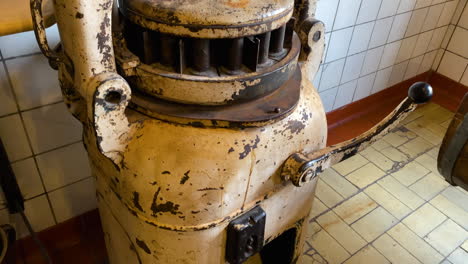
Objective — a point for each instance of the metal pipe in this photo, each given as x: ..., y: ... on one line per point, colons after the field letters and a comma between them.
x: 201, y: 55
x: 264, y: 47
x: 277, y: 41
x: 235, y: 52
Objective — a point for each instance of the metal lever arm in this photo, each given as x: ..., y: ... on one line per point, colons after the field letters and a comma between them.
x: 301, y: 168
x: 39, y: 31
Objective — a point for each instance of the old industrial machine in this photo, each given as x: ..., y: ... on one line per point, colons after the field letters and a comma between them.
x: 202, y: 126
x: 453, y: 155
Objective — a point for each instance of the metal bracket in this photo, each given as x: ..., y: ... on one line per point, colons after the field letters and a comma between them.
x: 245, y: 236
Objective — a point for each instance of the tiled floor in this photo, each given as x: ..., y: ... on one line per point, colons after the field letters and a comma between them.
x: 389, y: 204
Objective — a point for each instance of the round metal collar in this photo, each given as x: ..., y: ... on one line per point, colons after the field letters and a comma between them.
x: 208, y: 18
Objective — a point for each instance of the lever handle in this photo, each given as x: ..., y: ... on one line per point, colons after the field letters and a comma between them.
x: 39, y: 31
x: 301, y: 168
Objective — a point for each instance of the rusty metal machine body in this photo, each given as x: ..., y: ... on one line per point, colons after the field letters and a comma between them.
x: 202, y: 126
x: 453, y: 155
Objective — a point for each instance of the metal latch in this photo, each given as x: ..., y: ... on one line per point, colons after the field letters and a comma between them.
x: 245, y: 236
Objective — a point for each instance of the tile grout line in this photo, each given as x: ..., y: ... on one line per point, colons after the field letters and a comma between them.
x: 20, y: 114
x: 399, y: 221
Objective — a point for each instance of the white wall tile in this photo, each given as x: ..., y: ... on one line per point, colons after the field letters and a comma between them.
x: 331, y: 74
x: 416, y: 22
x: 372, y: 60
x: 398, y: 72
x: 464, y: 19
x: 423, y: 3
x: 388, y: 8
x: 346, y: 14
x: 38, y: 212
x: 339, y: 44
x: 51, y: 126
x: 432, y: 17
x: 41, y: 85
x: 28, y: 178
x: 361, y: 37
x: 422, y: 43
x: 369, y: 11
x: 328, y: 98
x: 381, y: 31
x: 437, y: 38
x: 407, y: 48
x: 406, y: 5
x: 427, y: 62
x: 352, y: 67
x: 413, y: 67
x: 448, y: 36
x: 390, y: 54
x: 364, y: 87
x: 447, y: 13
x: 317, y: 78
x: 73, y: 200
x: 438, y: 59
x: 452, y: 66
x: 458, y: 11
x: 399, y: 27
x: 64, y: 166
x: 381, y: 80
x: 345, y: 94
x: 459, y: 42
x: 7, y: 105
x: 326, y: 11
x: 25, y: 43
x: 14, y: 138
x: 464, y: 79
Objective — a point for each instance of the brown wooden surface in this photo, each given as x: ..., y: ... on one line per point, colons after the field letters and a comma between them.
x: 80, y: 240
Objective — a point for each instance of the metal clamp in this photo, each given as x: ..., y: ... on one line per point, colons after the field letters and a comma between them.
x: 301, y: 168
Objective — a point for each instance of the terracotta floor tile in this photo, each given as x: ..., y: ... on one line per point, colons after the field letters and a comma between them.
x: 356, y: 207
x: 341, y: 232
x: 329, y: 248
x: 387, y: 201
x: 424, y: 220
x: 388, y: 247
x: 367, y: 255
x: 447, y: 237
x: 414, y: 244
x: 338, y: 183
x: 374, y: 224
x: 451, y: 210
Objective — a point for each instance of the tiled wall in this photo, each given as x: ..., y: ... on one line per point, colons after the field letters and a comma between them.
x: 454, y: 63
x: 43, y: 141
x: 374, y: 44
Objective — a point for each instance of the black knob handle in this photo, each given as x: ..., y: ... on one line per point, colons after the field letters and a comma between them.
x: 420, y: 92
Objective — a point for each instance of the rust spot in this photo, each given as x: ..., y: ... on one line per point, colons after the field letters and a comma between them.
x: 249, y: 147
x: 185, y: 177
x: 237, y: 3
x: 136, y: 201
x: 79, y: 15
x: 167, y: 207
x: 230, y: 150
x: 143, y: 246
x: 209, y: 189
x: 166, y: 172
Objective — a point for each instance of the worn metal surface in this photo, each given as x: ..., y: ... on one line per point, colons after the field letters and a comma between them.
x: 206, y: 90
x: 453, y: 154
x: 303, y: 167
x: 209, y: 18
x: 263, y: 110
x: 168, y: 184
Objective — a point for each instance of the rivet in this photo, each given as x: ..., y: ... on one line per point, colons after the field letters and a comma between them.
x: 317, y: 36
